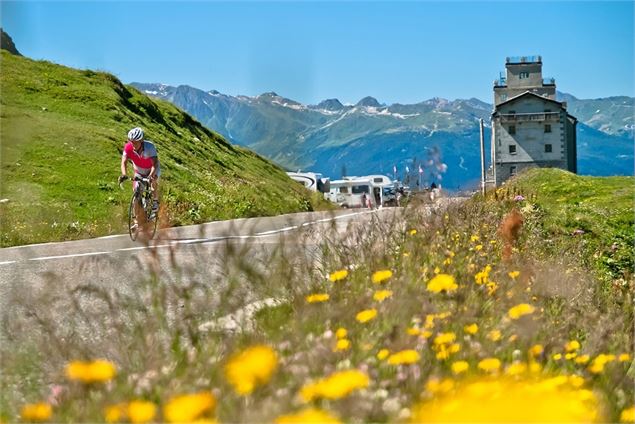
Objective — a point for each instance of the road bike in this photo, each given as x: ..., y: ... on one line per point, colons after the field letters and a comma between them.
x: 141, y: 219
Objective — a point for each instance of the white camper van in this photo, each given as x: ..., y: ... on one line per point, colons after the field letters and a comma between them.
x: 350, y: 192
x: 311, y: 180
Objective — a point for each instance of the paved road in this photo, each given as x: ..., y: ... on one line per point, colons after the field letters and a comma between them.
x: 197, y: 253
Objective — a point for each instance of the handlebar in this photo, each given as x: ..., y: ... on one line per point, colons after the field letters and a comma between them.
x: 135, y: 178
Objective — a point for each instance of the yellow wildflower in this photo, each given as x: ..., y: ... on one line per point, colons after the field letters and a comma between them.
x: 506, y: 399
x: 381, y: 276
x: 91, y: 372
x: 252, y: 367
x: 471, y: 329
x: 570, y: 355
x: 513, y: 337
x: 408, y: 356
x: 491, y: 288
x: 383, y: 354
x: 520, y: 310
x: 317, y: 297
x: 342, y: 344
x: 442, y: 282
x: 413, y: 331
x: 336, y: 386
x: 489, y: 364
x: 36, y: 412
x: 459, y: 366
x: 478, y: 247
x: 628, y: 415
x: 624, y: 357
x: 444, y: 338
x: 436, y: 270
x: 412, y: 232
x: 380, y: 295
x: 576, y: 381
x: 447, y: 261
x: 536, y: 350
x: 338, y: 275
x: 140, y: 411
x: 474, y: 238
x: 571, y: 346
x: 597, y: 366
x: 494, y: 335
x: 187, y: 408
x: 454, y: 347
x: 436, y: 386
x: 366, y: 315
x: 516, y: 368
x: 481, y: 277
x: 557, y: 356
x: 341, y: 333
x: 115, y: 413
x: 582, y: 359
x: 513, y: 274
x: 426, y: 334
x: 308, y: 416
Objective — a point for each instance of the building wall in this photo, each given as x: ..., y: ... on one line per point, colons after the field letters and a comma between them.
x: 514, y: 72
x: 530, y: 137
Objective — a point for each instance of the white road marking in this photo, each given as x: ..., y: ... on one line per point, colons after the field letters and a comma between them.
x: 45, y: 258
x: 186, y: 242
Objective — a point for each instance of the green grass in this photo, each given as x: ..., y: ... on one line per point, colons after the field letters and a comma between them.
x: 160, y: 351
x: 62, y: 132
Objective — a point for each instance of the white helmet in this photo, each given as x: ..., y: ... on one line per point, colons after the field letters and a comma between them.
x: 135, y: 134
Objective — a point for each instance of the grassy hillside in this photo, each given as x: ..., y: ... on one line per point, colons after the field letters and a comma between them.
x: 505, y: 305
x: 62, y: 133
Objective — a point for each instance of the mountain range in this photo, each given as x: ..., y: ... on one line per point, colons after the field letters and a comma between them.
x: 369, y: 137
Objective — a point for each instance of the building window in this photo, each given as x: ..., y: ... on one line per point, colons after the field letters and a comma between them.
x: 512, y: 170
x: 503, y: 97
x: 547, y: 148
x: 547, y: 128
x: 512, y: 129
x: 523, y: 75
x: 512, y: 149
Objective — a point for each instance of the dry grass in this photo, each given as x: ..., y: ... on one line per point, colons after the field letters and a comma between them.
x: 165, y: 335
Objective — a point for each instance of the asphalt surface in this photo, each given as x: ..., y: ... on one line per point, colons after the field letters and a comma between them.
x: 183, y: 254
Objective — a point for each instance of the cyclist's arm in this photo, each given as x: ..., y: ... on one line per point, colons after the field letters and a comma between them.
x: 124, y: 163
x: 155, y: 165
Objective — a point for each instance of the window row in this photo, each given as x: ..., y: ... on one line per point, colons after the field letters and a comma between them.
x: 512, y: 149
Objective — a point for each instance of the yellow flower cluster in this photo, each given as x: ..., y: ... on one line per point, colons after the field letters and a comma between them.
x: 482, y: 277
x: 36, y: 412
x: 137, y: 411
x: 190, y: 407
x: 381, y: 276
x: 408, y: 356
x: 336, y: 386
x: 381, y: 295
x: 317, y: 297
x: 489, y: 364
x: 366, y: 315
x: 97, y: 371
x: 471, y: 329
x: 459, y: 366
x: 252, y: 367
x: 442, y: 282
x: 444, y: 345
x: 507, y: 400
x: 520, y: 310
x: 338, y: 275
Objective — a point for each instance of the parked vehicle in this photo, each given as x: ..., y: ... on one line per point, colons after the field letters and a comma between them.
x: 350, y: 192
x: 311, y: 180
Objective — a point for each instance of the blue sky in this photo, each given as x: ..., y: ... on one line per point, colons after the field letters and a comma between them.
x: 401, y: 52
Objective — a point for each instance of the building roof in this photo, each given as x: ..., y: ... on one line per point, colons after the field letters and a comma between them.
x: 529, y: 93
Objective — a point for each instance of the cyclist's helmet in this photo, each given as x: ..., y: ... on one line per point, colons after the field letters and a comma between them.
x: 135, y: 134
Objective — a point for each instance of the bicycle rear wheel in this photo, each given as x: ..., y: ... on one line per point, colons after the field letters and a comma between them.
x: 151, y: 220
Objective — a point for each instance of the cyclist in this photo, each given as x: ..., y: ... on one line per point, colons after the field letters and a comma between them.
x: 145, y: 162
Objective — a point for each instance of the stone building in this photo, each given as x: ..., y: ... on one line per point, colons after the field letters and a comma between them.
x: 529, y: 127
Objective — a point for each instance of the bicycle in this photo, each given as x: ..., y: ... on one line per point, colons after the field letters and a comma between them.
x: 140, y: 214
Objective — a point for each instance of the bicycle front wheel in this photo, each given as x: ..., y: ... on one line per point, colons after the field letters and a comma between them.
x: 133, y: 217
